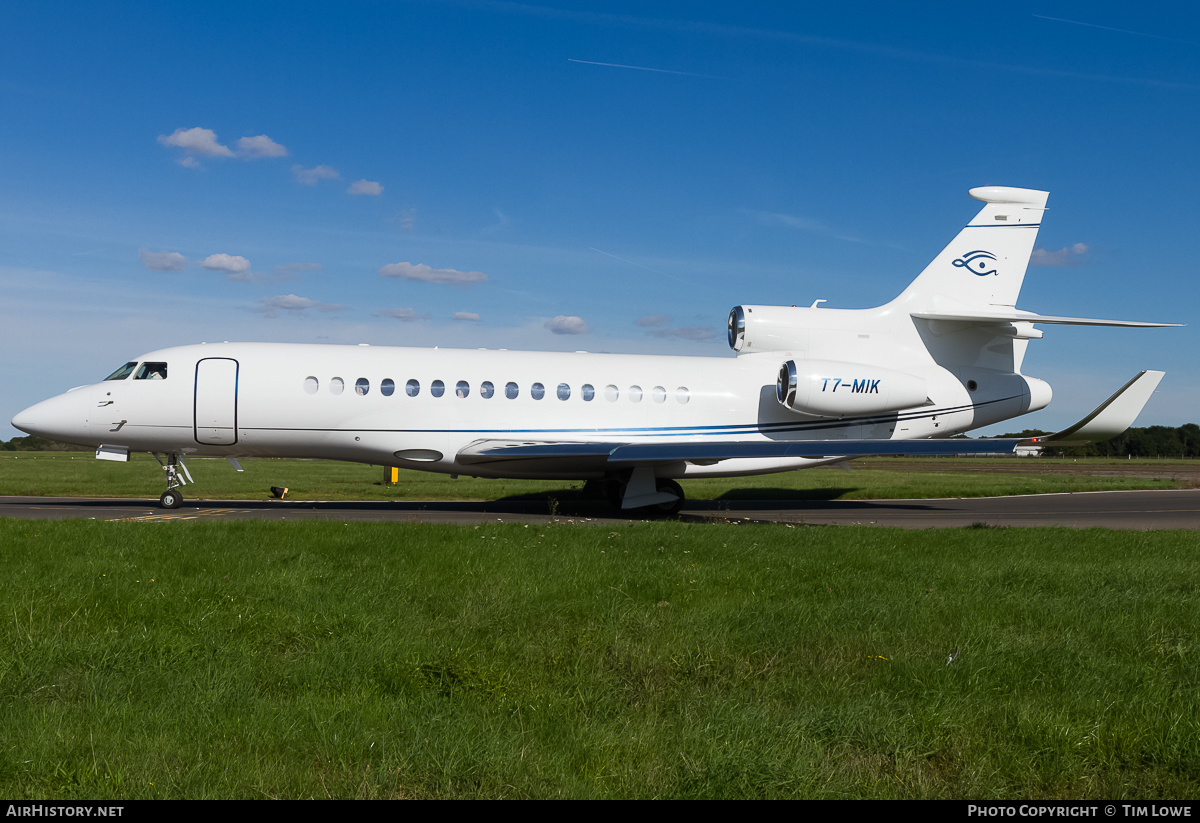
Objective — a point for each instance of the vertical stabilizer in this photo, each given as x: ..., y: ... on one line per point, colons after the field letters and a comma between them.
x: 983, y: 267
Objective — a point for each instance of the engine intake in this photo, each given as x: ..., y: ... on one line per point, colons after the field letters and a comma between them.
x: 769, y: 328
x: 830, y: 388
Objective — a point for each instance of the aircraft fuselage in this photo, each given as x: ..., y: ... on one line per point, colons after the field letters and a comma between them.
x: 419, y: 408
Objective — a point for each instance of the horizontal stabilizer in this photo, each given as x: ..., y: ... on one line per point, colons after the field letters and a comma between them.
x: 988, y: 318
x: 1112, y: 417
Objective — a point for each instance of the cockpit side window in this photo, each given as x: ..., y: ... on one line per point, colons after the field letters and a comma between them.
x: 152, y: 371
x: 123, y: 372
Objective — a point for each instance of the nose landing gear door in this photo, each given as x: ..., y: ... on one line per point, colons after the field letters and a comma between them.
x: 216, y: 401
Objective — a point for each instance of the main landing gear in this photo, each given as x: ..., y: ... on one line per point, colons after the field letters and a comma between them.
x: 641, y: 492
x: 667, y: 508
x: 177, y: 475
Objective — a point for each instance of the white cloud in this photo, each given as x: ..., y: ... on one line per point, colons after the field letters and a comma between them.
x: 466, y: 315
x: 403, y: 315
x: 687, y: 333
x: 1068, y: 256
x: 426, y: 274
x: 406, y: 220
x: 293, y: 304
x: 228, y: 263
x: 658, y: 325
x: 196, y: 141
x: 365, y: 187
x: 201, y: 142
x: 260, y: 146
x: 310, y: 177
x: 567, y: 324
x: 166, y: 261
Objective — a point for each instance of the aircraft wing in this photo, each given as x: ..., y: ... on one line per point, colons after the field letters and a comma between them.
x: 625, y: 454
x: 1112, y: 417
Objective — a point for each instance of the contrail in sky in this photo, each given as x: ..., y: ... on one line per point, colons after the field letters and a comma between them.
x: 643, y: 68
x: 638, y: 265
x: 1110, y: 28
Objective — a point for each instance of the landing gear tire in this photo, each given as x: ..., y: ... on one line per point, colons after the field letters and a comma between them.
x: 614, y: 490
x: 671, y: 507
x: 171, y: 499
x: 594, y: 490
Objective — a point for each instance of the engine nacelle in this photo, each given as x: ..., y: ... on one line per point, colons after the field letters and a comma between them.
x: 831, y: 388
x: 769, y: 328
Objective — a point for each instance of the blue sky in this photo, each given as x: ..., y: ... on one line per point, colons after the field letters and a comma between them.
x: 601, y: 176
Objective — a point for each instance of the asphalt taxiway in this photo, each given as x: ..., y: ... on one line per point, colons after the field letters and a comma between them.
x: 1142, y: 510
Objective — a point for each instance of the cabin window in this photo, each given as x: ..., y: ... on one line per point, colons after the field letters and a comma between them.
x: 311, y: 384
x: 152, y: 371
x: 537, y: 391
x: 361, y: 386
x: 659, y: 394
x: 123, y: 372
x: 682, y: 395
x: 635, y: 394
x: 412, y: 388
x: 564, y: 391
x: 462, y: 388
x: 437, y: 388
x: 588, y: 391
x: 486, y: 389
x: 387, y: 386
x: 611, y: 393
x: 336, y: 385
x: 511, y: 391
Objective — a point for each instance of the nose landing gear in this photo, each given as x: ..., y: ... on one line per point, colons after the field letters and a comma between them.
x: 177, y: 475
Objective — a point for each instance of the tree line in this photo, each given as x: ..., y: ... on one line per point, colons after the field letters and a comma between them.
x: 33, y: 443
x: 1148, y: 441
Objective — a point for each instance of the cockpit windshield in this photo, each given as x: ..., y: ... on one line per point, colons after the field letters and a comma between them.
x: 152, y: 371
x: 123, y: 372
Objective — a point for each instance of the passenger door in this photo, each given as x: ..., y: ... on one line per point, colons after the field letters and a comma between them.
x: 216, y: 401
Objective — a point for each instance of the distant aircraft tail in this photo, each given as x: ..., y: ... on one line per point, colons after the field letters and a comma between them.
x: 983, y: 267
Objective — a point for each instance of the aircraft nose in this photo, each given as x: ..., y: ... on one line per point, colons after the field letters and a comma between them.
x: 59, y: 418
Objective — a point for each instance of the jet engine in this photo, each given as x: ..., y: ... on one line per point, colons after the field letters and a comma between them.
x: 831, y: 388
x: 768, y: 328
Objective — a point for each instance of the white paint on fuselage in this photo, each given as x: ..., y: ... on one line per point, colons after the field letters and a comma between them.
x: 728, y: 399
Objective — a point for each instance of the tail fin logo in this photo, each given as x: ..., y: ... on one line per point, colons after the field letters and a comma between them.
x: 977, y: 262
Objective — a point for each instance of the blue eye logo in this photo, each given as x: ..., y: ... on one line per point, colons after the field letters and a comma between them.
x: 977, y: 262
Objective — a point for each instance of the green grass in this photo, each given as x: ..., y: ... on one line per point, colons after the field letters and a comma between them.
x: 245, y: 660
x: 79, y: 474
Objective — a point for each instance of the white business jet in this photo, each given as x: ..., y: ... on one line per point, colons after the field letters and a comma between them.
x: 808, y: 387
